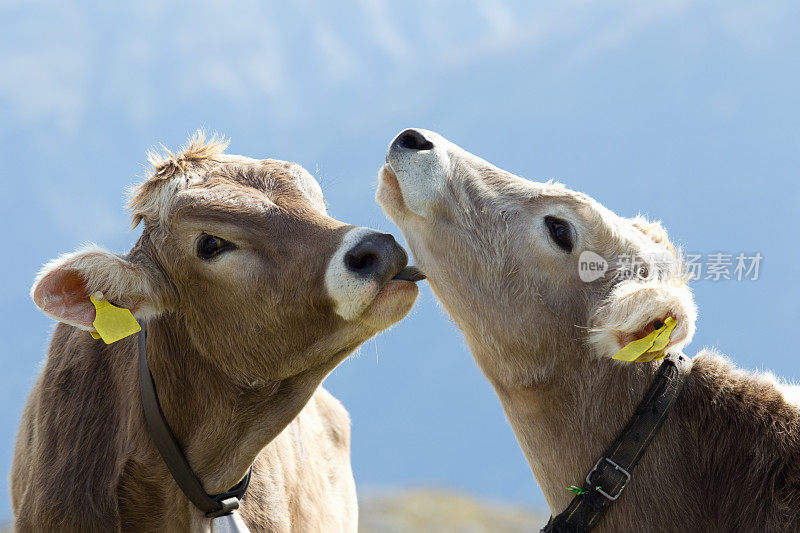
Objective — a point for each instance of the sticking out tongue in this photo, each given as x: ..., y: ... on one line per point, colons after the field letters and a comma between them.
x: 410, y: 273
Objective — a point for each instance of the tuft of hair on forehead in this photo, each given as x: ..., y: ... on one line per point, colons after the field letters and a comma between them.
x: 167, y: 168
x: 654, y: 231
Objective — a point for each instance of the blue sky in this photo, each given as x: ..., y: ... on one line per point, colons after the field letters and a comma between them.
x: 684, y: 111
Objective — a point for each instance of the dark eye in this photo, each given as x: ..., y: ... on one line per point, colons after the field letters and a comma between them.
x: 208, y: 246
x: 560, y: 231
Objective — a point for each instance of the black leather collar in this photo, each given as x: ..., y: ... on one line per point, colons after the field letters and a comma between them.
x: 212, y: 505
x: 611, y: 473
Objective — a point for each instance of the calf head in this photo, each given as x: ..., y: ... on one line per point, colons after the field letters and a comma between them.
x: 243, y: 256
x: 505, y: 256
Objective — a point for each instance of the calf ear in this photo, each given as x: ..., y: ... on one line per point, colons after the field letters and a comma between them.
x: 635, y: 308
x: 63, y: 286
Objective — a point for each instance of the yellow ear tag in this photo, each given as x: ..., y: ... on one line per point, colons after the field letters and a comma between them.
x: 648, y: 348
x: 111, y: 323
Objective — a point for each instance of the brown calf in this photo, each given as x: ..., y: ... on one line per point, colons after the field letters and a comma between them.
x: 252, y: 295
x: 503, y: 255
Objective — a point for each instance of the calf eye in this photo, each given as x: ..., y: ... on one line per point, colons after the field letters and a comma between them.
x: 560, y: 231
x: 208, y: 246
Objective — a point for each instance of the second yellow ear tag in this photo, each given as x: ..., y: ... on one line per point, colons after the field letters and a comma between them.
x: 648, y: 348
x: 111, y: 323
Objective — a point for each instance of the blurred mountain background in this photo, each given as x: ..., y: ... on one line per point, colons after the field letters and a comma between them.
x: 442, y: 511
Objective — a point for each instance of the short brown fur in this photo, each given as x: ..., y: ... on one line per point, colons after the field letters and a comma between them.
x: 238, y: 346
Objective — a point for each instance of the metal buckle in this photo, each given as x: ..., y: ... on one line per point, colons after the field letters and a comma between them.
x: 618, y: 468
x: 229, y: 505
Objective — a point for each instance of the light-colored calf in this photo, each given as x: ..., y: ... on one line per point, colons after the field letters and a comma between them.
x: 252, y: 295
x: 502, y: 254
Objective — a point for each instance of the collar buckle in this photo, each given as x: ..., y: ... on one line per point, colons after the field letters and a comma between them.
x: 602, y: 464
x: 229, y: 505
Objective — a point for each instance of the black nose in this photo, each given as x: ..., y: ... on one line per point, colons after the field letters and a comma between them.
x: 412, y: 139
x: 377, y: 255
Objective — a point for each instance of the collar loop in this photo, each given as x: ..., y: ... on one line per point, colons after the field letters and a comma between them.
x: 605, y: 482
x: 212, y: 505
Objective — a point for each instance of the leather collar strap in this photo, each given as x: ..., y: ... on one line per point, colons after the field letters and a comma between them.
x: 213, y: 505
x: 612, y: 471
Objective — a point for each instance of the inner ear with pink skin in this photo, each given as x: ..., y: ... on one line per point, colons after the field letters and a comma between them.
x: 652, y: 326
x: 63, y: 286
x: 63, y: 296
x: 634, y: 309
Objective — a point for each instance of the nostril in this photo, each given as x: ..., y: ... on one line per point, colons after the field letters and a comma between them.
x: 414, y: 140
x: 360, y: 261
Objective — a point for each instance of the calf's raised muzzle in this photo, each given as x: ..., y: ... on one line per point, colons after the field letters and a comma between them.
x: 415, y: 175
